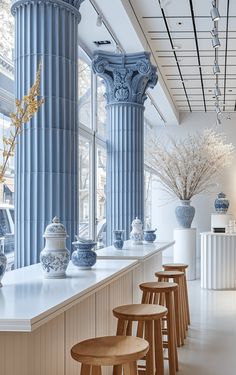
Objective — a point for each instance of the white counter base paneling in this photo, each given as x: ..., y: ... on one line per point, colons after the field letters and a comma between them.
x: 218, y: 261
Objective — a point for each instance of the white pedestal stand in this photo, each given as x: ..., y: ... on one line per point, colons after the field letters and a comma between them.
x: 185, y: 249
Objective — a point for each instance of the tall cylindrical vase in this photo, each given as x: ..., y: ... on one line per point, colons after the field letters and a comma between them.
x: 185, y: 214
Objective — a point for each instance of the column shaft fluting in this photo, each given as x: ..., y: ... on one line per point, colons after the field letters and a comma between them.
x: 46, y: 155
x: 126, y: 78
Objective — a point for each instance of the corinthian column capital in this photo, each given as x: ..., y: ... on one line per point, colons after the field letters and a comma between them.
x: 126, y: 77
x: 71, y: 5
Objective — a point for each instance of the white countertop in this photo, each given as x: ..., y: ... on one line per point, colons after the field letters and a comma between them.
x: 130, y: 251
x: 27, y: 300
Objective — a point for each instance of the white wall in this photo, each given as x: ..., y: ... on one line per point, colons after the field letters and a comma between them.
x: 163, y: 216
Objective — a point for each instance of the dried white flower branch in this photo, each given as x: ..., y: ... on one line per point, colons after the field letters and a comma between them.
x: 187, y: 167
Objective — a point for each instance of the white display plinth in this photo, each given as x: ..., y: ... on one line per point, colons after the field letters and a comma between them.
x: 185, y: 249
x: 218, y: 260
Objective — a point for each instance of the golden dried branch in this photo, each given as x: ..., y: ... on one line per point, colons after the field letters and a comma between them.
x: 25, y: 110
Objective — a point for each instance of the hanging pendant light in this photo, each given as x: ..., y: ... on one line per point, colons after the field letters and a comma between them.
x: 216, y: 68
x: 215, y: 15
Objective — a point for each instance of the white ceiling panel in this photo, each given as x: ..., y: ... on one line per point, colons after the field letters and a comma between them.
x: 180, y: 43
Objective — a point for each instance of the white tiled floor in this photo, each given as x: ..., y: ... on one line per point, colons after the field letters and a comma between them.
x: 210, y: 347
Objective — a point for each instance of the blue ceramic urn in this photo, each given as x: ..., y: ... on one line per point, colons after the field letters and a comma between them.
x: 185, y: 214
x: 84, y: 257
x: 221, y: 203
x: 149, y: 235
x: 118, y: 239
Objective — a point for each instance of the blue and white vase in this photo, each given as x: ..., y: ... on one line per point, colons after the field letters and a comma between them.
x: 84, y: 257
x: 55, y: 256
x: 149, y: 235
x: 185, y: 214
x: 3, y: 260
x: 221, y: 203
x: 118, y: 239
x: 136, y: 235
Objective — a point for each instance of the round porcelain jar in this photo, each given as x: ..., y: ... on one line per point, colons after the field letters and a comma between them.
x: 55, y: 256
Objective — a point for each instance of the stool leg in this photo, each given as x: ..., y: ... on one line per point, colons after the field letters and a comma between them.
x: 159, y: 359
x: 130, y: 368
x: 150, y: 353
x: 85, y: 369
x: 186, y: 296
x: 178, y: 335
x: 129, y: 328
x: 171, y: 334
x: 120, y: 331
x: 96, y: 370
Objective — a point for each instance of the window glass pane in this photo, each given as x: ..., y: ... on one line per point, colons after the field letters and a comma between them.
x: 147, y: 199
x: 6, y: 30
x: 84, y: 188
x: 84, y: 93
x: 101, y: 109
x: 101, y: 196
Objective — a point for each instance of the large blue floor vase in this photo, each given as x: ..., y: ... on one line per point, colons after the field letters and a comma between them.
x: 185, y: 214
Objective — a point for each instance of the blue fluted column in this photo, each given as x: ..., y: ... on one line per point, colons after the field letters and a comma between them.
x: 126, y: 78
x: 46, y: 155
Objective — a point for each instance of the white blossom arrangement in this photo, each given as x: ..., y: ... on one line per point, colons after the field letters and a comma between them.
x: 187, y: 167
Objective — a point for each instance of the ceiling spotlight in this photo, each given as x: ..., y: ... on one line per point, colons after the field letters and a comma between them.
x: 118, y: 49
x: 215, y: 39
x: 216, y: 68
x: 99, y: 20
x: 215, y: 15
x: 228, y: 117
x: 217, y: 91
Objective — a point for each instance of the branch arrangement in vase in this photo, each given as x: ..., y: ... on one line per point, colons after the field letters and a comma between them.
x: 187, y: 167
x: 26, y: 108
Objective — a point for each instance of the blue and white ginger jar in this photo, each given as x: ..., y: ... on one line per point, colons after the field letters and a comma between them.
x: 136, y: 235
x: 221, y: 203
x: 55, y: 256
x: 84, y: 257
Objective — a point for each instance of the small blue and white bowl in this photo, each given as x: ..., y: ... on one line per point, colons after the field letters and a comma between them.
x: 84, y: 257
x: 149, y: 235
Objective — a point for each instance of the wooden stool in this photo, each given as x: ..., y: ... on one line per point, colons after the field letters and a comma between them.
x: 166, y: 293
x: 109, y: 351
x: 182, y: 268
x: 177, y: 277
x: 149, y: 322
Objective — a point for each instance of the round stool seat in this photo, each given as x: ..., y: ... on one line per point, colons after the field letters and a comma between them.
x: 171, y: 274
x: 158, y: 287
x: 109, y: 350
x: 140, y: 312
x: 174, y: 266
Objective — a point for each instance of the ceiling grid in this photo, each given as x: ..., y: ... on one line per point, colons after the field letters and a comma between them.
x: 180, y: 40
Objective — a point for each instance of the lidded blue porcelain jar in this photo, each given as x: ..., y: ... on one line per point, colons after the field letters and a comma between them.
x: 221, y: 203
x: 55, y: 257
x: 84, y: 257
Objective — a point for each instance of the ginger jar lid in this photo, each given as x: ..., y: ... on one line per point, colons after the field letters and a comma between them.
x: 137, y: 222
x: 55, y: 229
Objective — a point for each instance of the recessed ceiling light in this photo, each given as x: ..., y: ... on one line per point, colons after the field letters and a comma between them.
x: 209, y: 90
x: 179, y: 23
x: 230, y: 90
